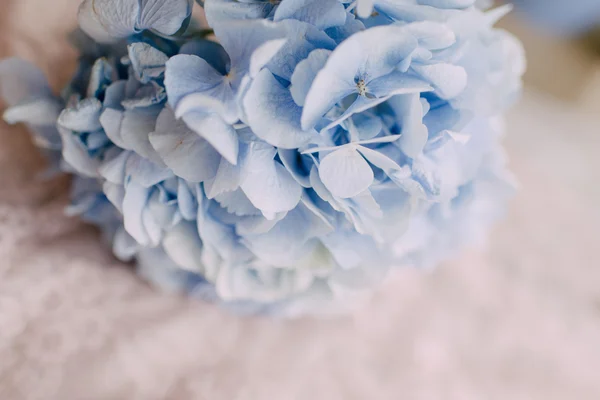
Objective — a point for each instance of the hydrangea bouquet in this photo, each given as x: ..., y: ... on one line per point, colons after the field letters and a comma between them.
x: 284, y: 158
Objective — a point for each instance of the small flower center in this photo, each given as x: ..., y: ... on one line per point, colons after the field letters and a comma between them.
x: 362, y: 87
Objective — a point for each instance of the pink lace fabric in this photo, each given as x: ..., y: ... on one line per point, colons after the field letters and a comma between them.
x: 519, y: 321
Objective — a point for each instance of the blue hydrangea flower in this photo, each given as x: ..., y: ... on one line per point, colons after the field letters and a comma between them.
x: 291, y: 160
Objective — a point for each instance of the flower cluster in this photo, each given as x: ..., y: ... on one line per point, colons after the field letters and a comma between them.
x: 290, y: 155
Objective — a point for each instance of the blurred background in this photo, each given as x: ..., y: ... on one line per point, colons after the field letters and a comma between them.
x: 519, y: 320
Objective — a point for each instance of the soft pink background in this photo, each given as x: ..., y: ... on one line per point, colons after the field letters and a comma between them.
x: 519, y: 321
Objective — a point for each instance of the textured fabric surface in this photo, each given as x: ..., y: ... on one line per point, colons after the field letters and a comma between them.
x: 518, y: 321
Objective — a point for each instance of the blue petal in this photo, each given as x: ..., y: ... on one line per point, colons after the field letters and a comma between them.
x: 135, y: 132
x: 148, y: 62
x: 186, y: 74
x: 115, y: 194
x: 321, y: 13
x: 209, y: 51
x: 397, y: 83
x: 217, y: 132
x: 164, y: 16
x: 305, y: 74
x: 108, y: 20
x: 345, y: 172
x: 237, y: 203
x: 303, y: 38
x: 449, y: 80
x: 447, y: 3
x: 297, y: 164
x: 144, y: 172
x: 356, y: 58
x: 290, y: 239
x: 134, y: 202
x: 273, y: 115
x: 113, y: 170
x: 83, y: 117
x: 409, y: 114
x: 267, y: 183
x: 218, y: 11
x: 222, y: 238
x: 184, y: 247
x: 241, y: 39
x: 124, y: 246
x: 188, y: 205
x: 184, y: 151
x: 432, y: 35
x: 76, y: 154
x: 101, y: 76
x: 228, y: 178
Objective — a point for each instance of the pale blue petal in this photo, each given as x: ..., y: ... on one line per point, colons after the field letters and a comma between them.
x: 135, y: 132
x: 108, y: 20
x: 273, y: 115
x: 220, y: 100
x: 210, y: 51
x: 189, y: 155
x: 449, y: 80
x: 356, y: 59
x: 409, y: 114
x: 183, y: 245
x: 164, y: 16
x: 221, y: 237
x: 241, y: 39
x: 218, y: 11
x: 115, y: 94
x: 186, y: 74
x: 367, y: 125
x: 124, y: 247
x: 217, y: 132
x: 83, y: 117
x: 263, y: 55
x: 290, y: 239
x: 305, y: 74
x: 148, y: 62
x: 114, y: 170
x: 345, y: 172
x: 268, y: 185
x: 256, y: 224
x: 134, y: 202
x: 303, y: 38
x: 101, y: 76
x: 402, y: 11
x: 144, y: 172
x: 321, y: 13
x: 188, y: 205
x: 237, y: 203
x: 115, y: 194
x: 228, y: 178
x: 76, y: 154
x: 447, y: 3
x: 297, y: 164
x: 350, y: 27
x: 397, y: 83
x: 379, y: 160
x: 362, y: 103
x: 432, y: 35
x: 112, y: 121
